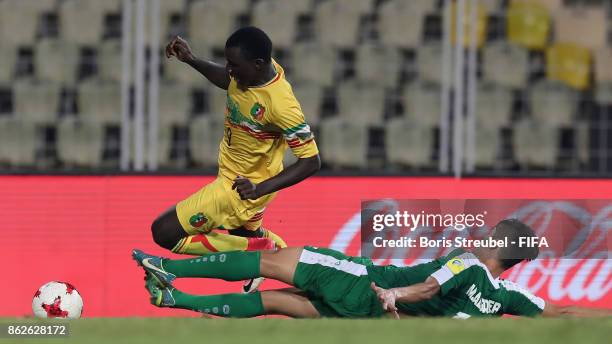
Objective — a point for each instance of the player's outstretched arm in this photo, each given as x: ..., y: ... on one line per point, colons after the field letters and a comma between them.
x: 300, y: 170
x: 551, y: 310
x: 214, y: 72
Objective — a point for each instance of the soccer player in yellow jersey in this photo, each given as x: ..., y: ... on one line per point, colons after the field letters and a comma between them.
x: 262, y: 119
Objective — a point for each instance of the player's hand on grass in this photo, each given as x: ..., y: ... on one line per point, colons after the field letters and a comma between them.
x: 387, y: 298
x: 180, y: 48
x: 245, y: 188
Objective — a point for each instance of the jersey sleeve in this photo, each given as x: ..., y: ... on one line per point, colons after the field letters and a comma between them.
x: 289, y: 118
x: 522, y: 302
x: 452, y: 274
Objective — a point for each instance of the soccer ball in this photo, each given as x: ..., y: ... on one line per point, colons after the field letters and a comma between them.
x: 57, y: 300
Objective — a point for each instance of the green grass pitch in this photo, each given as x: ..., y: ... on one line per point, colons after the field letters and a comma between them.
x: 341, y: 331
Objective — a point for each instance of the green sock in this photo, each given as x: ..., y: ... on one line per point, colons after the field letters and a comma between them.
x: 229, y: 266
x: 225, y: 305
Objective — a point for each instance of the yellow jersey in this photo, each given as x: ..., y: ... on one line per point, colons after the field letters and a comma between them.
x: 260, y: 123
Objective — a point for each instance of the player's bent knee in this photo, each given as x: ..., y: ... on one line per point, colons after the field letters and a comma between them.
x: 164, y: 236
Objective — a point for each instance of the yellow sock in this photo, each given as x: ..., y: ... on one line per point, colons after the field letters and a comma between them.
x: 274, y: 237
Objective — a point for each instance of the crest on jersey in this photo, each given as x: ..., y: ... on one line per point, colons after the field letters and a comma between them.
x: 257, y: 111
x: 198, y: 220
x: 456, y: 265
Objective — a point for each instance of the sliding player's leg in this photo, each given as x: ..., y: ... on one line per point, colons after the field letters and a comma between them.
x: 289, y: 302
x: 230, y: 266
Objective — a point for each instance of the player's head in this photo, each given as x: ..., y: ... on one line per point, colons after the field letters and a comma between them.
x: 248, y: 51
x: 514, y: 253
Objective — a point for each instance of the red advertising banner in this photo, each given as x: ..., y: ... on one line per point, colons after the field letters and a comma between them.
x: 82, y: 230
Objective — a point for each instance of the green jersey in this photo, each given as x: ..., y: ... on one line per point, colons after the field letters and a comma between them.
x: 467, y: 288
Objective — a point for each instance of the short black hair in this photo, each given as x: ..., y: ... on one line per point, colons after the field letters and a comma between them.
x: 253, y: 43
x: 513, y: 229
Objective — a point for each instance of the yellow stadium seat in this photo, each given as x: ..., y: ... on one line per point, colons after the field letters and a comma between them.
x: 528, y: 25
x: 481, y: 24
x: 569, y: 63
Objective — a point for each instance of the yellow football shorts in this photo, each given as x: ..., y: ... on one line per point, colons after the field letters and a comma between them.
x: 216, y: 205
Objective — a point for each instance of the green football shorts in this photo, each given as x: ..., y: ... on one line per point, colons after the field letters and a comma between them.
x: 336, y: 284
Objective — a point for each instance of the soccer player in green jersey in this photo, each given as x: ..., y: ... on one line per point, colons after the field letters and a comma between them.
x: 330, y: 284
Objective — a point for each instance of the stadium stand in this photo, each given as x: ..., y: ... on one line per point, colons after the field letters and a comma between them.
x: 371, y: 83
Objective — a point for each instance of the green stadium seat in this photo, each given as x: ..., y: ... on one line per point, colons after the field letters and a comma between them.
x: 401, y: 22
x: 500, y: 57
x: 361, y: 103
x: 205, y: 134
x: 57, y: 60
x: 310, y: 96
x: 101, y: 100
x: 421, y: 101
x: 409, y: 143
x: 493, y: 106
x: 429, y: 62
x: 553, y: 103
x: 312, y: 62
x: 379, y: 65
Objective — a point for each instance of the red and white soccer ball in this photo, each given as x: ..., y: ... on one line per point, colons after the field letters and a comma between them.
x: 57, y: 300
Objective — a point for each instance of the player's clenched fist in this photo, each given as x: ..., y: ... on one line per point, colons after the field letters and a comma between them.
x: 245, y: 188
x: 178, y: 47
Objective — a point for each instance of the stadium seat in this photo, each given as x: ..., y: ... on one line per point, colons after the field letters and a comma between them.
x: 36, y: 101
x: 57, y: 60
x: 213, y: 21
x: 378, y: 65
x: 603, y: 94
x: 570, y: 64
x: 585, y: 26
x: 278, y: 18
x: 408, y: 143
x: 80, y: 142
x: 422, y: 103
x: 553, y: 103
x: 361, y: 103
x: 603, y: 66
x: 109, y: 60
x: 8, y: 62
x: 177, y: 71
x: 481, y: 24
x: 19, y: 141
x: 313, y: 63
x: 487, y: 146
x: 403, y: 22
x: 348, y: 12
x: 493, y: 106
x: 429, y: 62
x: 167, y: 9
x: 535, y: 144
x: 100, y: 100
x: 24, y: 15
x: 81, y: 21
x: 501, y: 57
x: 205, y: 134
x: 174, y: 104
x: 217, y: 101
x: 310, y: 97
x: 528, y: 24
x: 344, y: 143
